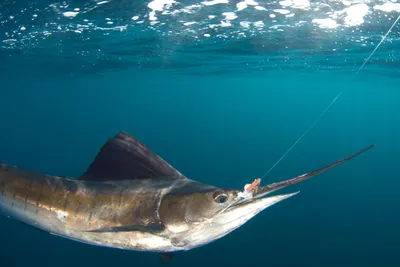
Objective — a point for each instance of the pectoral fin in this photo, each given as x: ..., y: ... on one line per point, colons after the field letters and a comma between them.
x: 152, y: 228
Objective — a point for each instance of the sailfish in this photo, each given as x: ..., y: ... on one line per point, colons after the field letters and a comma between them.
x: 130, y: 198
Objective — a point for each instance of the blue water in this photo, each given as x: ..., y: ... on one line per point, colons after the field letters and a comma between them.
x: 222, y: 110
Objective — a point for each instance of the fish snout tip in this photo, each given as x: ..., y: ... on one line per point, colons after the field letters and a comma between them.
x: 292, y: 194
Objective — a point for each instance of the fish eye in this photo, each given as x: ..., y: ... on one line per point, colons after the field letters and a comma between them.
x: 220, y: 197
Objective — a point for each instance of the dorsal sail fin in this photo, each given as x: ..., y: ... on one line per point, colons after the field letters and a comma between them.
x: 124, y: 157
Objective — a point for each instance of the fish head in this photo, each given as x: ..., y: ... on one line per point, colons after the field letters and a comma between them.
x: 195, y: 207
x: 198, y: 218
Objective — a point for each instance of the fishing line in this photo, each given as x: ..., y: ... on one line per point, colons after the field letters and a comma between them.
x: 332, y: 102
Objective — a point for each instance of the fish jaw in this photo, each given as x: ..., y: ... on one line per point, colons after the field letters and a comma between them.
x: 226, y: 222
x: 241, y: 213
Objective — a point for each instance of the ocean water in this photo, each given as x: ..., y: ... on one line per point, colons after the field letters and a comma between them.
x: 221, y: 90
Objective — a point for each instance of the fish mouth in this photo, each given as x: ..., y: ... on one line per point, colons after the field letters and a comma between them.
x: 258, y: 193
x: 243, y: 210
x: 259, y: 199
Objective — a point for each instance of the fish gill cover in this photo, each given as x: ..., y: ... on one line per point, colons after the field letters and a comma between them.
x: 214, y: 36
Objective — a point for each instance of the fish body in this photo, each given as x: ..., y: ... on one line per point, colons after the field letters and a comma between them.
x: 130, y: 198
x: 121, y: 214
